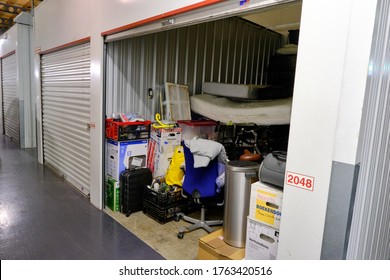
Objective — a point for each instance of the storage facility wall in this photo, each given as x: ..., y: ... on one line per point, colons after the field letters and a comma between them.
x: 66, y: 113
x: 10, y: 98
x: 1, y: 101
x: 370, y: 230
x: 324, y: 72
x: 228, y: 51
x: 57, y: 23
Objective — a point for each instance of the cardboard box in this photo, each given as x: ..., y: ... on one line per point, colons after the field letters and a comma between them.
x: 261, y: 241
x: 112, y: 193
x: 266, y: 204
x: 122, y: 153
x: 212, y: 247
x: 166, y: 139
x: 151, y: 155
x: 161, y: 148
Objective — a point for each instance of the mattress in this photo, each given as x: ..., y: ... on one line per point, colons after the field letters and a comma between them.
x: 246, y: 91
x: 264, y: 112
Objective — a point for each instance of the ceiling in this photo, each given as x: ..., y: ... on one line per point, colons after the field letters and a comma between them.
x: 279, y: 18
x: 9, y: 9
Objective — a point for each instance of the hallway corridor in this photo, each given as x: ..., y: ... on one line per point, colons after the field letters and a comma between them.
x: 43, y: 217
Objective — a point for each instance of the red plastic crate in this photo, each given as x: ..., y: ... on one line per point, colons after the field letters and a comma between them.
x: 123, y: 131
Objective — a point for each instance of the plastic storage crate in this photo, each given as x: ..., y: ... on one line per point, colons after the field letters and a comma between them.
x: 161, y: 199
x: 123, y: 131
x: 205, y: 129
x: 166, y: 214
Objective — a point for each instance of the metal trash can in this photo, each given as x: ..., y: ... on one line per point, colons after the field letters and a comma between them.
x: 239, y: 177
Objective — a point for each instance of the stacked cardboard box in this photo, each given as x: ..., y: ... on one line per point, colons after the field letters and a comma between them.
x: 161, y: 147
x: 112, y: 194
x: 212, y: 247
x: 119, y: 156
x: 263, y: 224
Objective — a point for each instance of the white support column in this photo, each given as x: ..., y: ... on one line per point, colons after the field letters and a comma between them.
x: 26, y: 99
x: 97, y: 116
x: 328, y: 97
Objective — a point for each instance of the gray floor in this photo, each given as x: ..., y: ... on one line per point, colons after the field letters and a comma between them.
x: 42, y: 217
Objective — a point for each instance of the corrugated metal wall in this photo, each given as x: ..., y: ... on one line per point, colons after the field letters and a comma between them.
x: 66, y: 107
x: 11, y: 118
x: 370, y: 230
x: 229, y: 50
x: 1, y: 100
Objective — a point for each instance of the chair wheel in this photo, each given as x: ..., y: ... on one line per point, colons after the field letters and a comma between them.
x: 177, y: 218
x: 180, y: 235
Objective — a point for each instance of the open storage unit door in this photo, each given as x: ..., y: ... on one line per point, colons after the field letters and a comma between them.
x: 66, y: 113
x: 224, y: 44
x: 220, y: 45
x: 10, y: 99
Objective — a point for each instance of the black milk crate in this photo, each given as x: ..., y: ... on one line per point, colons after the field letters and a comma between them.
x: 166, y: 214
x: 162, y: 199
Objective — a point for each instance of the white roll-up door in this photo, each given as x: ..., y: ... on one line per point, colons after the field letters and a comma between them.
x: 66, y: 114
x: 10, y: 98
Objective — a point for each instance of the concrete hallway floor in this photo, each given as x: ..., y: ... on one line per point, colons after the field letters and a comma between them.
x: 43, y: 217
x: 163, y: 237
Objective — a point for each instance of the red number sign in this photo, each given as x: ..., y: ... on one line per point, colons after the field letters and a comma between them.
x: 299, y: 181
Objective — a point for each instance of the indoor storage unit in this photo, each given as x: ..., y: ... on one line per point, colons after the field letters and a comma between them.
x: 191, y: 49
x: 341, y: 65
x: 66, y: 113
x: 235, y: 50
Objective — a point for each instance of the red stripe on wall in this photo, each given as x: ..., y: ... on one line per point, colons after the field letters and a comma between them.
x: 8, y: 54
x: 67, y: 45
x: 161, y: 16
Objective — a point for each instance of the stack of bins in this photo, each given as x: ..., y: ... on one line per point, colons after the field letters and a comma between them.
x: 126, y: 147
x: 161, y: 202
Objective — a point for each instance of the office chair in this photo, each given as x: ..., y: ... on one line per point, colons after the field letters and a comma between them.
x: 200, y: 186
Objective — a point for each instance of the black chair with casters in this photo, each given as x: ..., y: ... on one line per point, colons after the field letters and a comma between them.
x: 200, y: 186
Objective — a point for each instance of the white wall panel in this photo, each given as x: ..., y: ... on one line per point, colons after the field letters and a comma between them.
x: 59, y: 22
x: 26, y: 92
x: 130, y: 11
x: 354, y: 81
x: 73, y: 19
x: 323, y: 95
x: 8, y: 41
